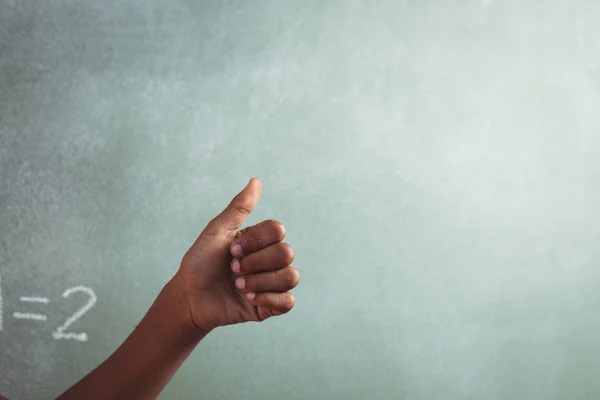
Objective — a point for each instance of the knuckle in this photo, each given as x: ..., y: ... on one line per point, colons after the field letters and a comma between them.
x: 243, y: 205
x: 243, y: 209
x: 278, y: 229
x: 255, y: 282
x: 287, y: 253
x: 255, y: 243
x: 288, y: 302
x: 292, y: 277
x: 265, y: 313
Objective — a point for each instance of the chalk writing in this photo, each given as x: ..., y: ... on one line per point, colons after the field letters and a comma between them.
x: 60, y: 331
x: 32, y: 303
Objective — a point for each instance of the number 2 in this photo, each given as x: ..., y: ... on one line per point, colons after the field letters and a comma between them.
x: 60, y: 333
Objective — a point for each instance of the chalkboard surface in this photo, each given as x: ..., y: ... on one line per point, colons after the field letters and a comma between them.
x: 435, y: 164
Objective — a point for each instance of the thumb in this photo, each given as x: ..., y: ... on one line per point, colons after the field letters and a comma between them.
x: 238, y: 210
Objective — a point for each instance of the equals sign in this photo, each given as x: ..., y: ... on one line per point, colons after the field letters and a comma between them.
x: 32, y: 316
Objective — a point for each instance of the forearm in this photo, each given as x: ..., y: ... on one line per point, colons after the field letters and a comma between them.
x: 143, y: 365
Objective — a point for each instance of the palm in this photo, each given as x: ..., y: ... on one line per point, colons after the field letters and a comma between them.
x: 215, y: 299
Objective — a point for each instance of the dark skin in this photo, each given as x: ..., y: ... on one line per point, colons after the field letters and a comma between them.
x: 207, y: 270
x: 228, y: 276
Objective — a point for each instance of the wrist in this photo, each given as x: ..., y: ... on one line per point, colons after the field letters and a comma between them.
x: 181, y: 303
x: 145, y: 362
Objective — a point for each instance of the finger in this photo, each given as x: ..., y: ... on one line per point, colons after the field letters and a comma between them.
x: 271, y: 304
x: 268, y: 259
x: 258, y: 237
x: 238, y: 209
x: 280, y: 280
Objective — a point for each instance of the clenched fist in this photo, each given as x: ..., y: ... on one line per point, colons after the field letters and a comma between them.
x: 230, y: 276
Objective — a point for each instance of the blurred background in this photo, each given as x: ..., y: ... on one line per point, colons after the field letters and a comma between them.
x: 435, y: 164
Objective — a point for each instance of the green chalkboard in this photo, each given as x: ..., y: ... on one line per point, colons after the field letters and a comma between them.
x: 435, y: 164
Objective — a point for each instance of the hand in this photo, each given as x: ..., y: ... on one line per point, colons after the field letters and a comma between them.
x: 230, y: 276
